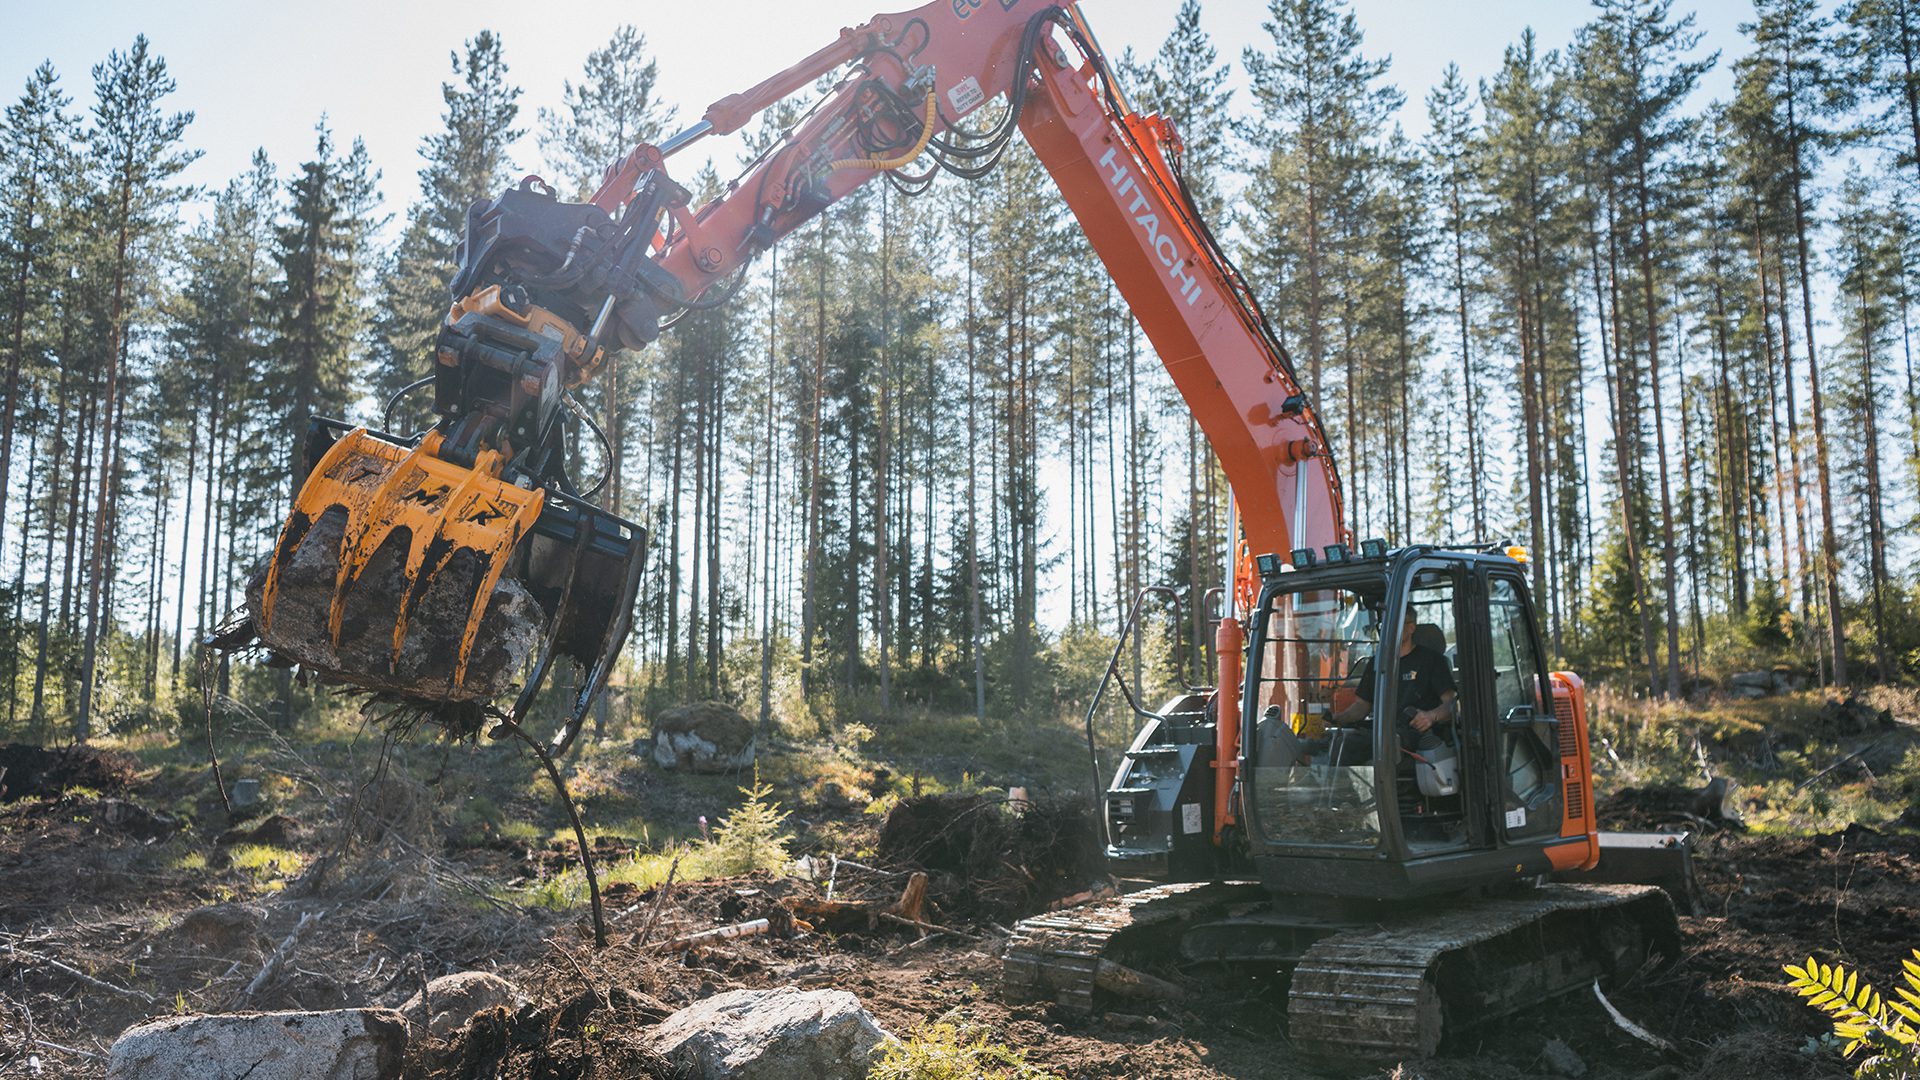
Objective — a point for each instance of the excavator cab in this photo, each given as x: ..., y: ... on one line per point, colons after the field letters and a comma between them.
x: 1340, y: 792
x: 1410, y: 880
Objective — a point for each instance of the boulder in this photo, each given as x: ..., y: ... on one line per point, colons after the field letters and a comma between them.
x: 771, y: 1035
x: 278, y: 830
x: 223, y: 928
x: 456, y: 999
x: 347, y: 1044
x: 1561, y: 1059
x: 705, y: 737
x: 1752, y: 684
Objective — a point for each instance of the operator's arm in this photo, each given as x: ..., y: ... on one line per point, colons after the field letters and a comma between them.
x: 1361, y: 705
x: 1449, y: 693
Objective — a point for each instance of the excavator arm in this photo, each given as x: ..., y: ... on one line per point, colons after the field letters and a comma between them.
x: 547, y: 289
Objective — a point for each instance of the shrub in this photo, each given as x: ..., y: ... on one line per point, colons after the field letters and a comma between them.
x: 948, y: 1050
x: 753, y: 837
x: 1888, y: 1030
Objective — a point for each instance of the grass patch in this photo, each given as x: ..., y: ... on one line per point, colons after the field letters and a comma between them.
x: 752, y: 838
x: 948, y: 1049
x: 269, y: 866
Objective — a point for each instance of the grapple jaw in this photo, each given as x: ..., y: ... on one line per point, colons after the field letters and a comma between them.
x: 418, y: 578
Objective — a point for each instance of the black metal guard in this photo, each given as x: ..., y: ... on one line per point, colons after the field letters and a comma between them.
x: 1113, y: 671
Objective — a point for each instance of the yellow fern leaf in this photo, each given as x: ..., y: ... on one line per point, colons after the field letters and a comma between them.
x: 1853, y: 979
x: 1905, y: 1011
x: 1800, y: 974
x: 1909, y: 996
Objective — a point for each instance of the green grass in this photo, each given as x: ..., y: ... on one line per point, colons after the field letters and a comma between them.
x: 269, y: 866
x: 949, y: 1049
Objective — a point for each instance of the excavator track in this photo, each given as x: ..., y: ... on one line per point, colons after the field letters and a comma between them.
x: 1066, y: 955
x: 1393, y: 990
x: 1385, y: 991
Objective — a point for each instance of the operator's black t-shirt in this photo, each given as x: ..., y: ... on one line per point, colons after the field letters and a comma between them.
x: 1424, y: 676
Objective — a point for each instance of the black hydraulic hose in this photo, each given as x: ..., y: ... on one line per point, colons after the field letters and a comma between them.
x: 386, y: 415
x: 606, y: 445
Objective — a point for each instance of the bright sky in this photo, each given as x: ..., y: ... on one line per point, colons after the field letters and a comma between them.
x: 260, y: 74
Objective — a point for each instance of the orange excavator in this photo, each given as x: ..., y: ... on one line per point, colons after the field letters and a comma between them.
x: 1401, y: 862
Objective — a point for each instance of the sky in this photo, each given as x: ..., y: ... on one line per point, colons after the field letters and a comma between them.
x: 261, y: 74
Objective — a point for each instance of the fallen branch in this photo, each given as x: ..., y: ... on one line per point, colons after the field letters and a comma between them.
x: 927, y: 926
x: 67, y: 1049
x: 1855, y: 756
x: 98, y: 984
x: 1126, y: 982
x: 1627, y: 1025
x: 750, y: 928
x: 279, y: 956
x: 659, y: 901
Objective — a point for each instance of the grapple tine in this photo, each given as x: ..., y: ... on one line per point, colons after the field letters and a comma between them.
x: 308, y: 505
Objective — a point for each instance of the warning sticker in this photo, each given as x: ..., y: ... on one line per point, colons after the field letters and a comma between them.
x: 1517, y: 819
x: 1190, y: 818
x: 966, y: 96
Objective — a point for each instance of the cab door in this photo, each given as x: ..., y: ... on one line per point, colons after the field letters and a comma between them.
x: 1520, y: 729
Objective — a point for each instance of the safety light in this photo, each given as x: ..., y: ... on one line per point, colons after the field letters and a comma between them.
x: 1336, y: 553
x: 1374, y: 548
x: 1516, y: 553
x: 1302, y: 558
x: 1269, y: 565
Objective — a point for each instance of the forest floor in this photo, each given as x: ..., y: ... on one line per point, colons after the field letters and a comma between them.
x: 127, y: 892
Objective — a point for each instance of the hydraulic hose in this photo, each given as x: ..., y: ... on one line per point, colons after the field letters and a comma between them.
x: 885, y: 164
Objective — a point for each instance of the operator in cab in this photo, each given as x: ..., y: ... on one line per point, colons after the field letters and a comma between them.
x: 1426, y: 687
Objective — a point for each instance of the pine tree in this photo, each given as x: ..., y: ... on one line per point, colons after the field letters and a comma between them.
x: 135, y: 153
x: 36, y: 144
x: 466, y: 163
x: 611, y: 110
x: 1790, y: 59
x: 317, y: 296
x: 1451, y: 146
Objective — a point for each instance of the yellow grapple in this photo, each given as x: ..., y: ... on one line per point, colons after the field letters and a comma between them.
x: 445, y: 508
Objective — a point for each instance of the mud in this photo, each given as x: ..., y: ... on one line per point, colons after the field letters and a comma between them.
x: 78, y: 886
x: 46, y: 772
x: 990, y: 860
x: 509, y: 631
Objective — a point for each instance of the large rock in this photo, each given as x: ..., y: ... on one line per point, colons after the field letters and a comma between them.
x: 772, y: 1035
x: 1751, y: 684
x: 456, y: 999
x: 705, y: 737
x: 223, y: 928
x: 347, y: 1044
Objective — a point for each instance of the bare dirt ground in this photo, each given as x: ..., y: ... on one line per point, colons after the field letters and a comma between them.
x: 111, y: 912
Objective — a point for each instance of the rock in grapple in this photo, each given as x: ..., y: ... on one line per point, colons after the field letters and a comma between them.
x: 424, y: 669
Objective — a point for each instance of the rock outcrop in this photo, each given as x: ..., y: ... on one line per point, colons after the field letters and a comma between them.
x: 705, y: 737
x: 772, y: 1035
x: 345, y: 1044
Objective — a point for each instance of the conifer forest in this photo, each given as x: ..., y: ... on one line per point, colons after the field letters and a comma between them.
x: 925, y: 456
